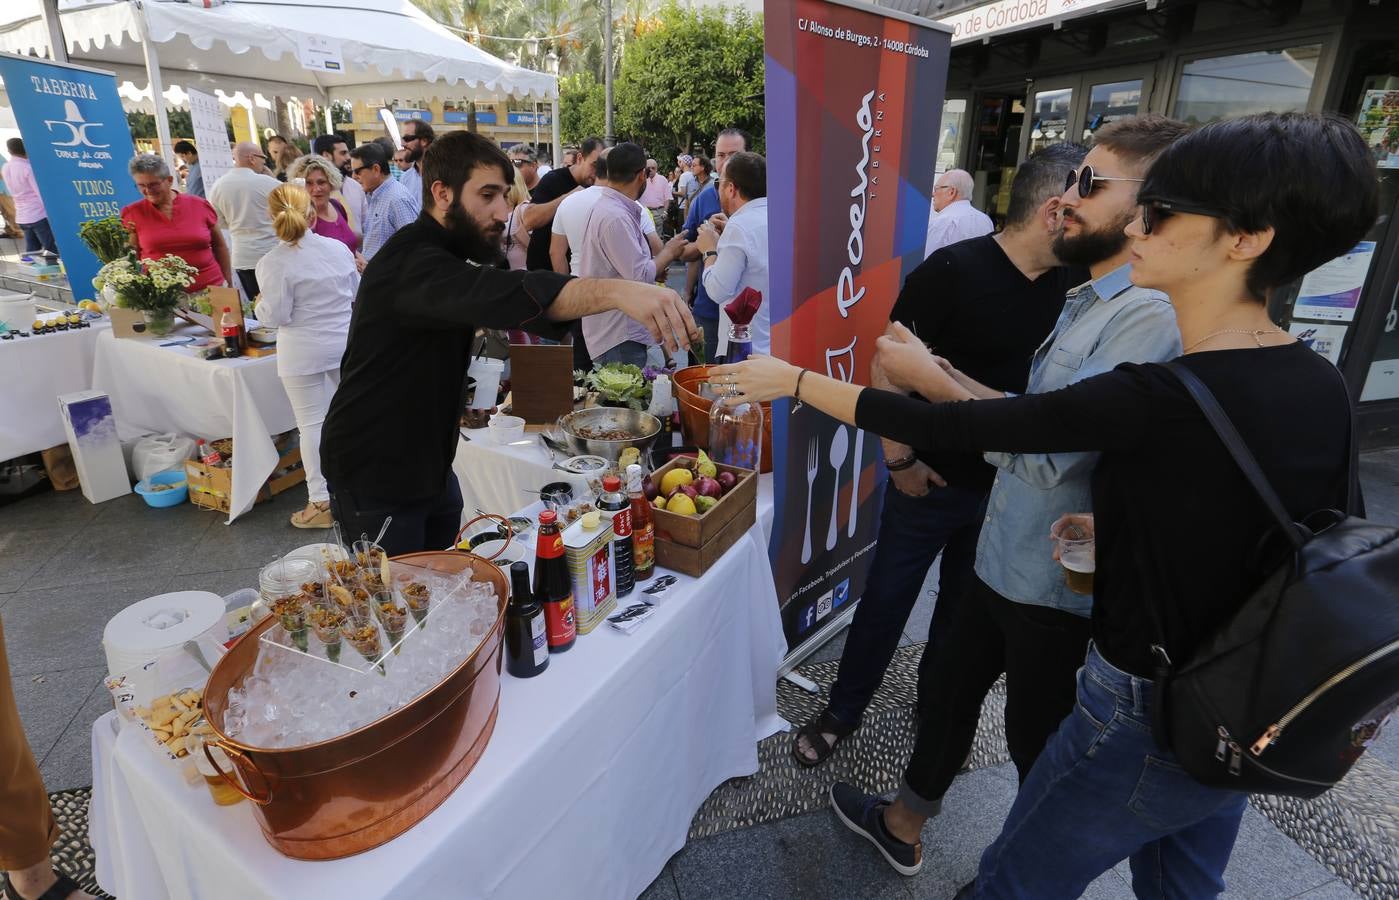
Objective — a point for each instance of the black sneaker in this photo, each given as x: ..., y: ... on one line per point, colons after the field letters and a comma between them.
x: 864, y: 814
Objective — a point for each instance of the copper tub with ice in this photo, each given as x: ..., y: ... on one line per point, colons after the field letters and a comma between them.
x: 352, y: 793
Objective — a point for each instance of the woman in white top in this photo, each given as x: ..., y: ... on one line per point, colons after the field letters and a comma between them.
x: 308, y: 286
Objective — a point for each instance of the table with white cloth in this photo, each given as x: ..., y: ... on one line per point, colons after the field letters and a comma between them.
x: 160, y: 389
x: 587, y: 787
x: 33, y: 371
x: 498, y: 478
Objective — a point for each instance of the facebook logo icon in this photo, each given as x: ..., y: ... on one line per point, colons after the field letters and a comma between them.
x: 808, y: 618
x: 842, y: 593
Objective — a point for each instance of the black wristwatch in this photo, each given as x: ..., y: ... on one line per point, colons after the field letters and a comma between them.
x: 708, y: 253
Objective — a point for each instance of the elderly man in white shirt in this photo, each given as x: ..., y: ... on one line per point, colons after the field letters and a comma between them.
x: 954, y: 218
x: 240, y: 199
x: 308, y: 288
x: 738, y: 258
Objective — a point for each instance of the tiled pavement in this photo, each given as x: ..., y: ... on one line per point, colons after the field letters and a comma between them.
x: 66, y: 567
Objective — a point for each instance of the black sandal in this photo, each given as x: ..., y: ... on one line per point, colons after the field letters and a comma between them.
x: 62, y: 889
x: 815, y: 733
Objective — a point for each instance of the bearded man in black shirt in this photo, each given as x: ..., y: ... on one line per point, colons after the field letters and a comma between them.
x: 391, y: 432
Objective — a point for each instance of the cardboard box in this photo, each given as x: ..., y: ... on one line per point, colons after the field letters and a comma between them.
x: 695, y: 561
x: 96, y: 449
x: 696, y: 531
x: 210, y: 487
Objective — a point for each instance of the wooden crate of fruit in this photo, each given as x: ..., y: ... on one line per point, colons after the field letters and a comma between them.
x: 691, y: 542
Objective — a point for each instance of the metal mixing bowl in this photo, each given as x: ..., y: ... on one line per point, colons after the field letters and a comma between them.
x: 644, y: 426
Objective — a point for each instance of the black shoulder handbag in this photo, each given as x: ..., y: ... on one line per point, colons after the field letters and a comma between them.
x: 1286, y: 696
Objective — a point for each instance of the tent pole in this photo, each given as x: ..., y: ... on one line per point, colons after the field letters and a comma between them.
x: 554, y: 125
x: 58, y: 48
x: 329, y: 121
x: 162, y: 122
x: 609, y: 138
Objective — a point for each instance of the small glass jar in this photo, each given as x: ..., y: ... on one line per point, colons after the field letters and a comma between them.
x: 736, y: 432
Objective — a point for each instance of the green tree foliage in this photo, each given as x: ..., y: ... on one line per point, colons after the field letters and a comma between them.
x: 581, y: 112
x: 694, y: 73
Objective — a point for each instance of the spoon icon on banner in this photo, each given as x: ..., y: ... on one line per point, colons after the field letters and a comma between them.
x: 840, y: 445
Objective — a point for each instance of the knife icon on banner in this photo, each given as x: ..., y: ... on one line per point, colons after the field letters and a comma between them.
x: 855, y: 481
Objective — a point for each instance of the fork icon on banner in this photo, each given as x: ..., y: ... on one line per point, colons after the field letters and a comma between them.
x: 813, y: 465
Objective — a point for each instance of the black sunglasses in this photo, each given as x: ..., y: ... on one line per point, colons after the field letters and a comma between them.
x: 1087, y: 180
x: 1156, y: 211
x: 521, y: 162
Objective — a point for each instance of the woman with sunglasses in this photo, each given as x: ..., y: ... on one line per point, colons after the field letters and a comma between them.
x: 1229, y: 213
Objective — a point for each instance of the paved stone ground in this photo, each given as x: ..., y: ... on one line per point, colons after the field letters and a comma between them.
x: 67, y: 566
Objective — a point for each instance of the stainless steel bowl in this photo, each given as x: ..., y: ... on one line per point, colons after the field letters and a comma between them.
x: 644, y: 426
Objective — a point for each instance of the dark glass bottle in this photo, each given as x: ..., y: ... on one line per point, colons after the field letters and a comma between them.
x: 619, y: 504
x: 526, y: 640
x: 553, y: 589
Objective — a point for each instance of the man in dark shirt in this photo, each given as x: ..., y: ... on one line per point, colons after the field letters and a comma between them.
x: 549, y: 193
x: 988, y: 303
x: 391, y: 432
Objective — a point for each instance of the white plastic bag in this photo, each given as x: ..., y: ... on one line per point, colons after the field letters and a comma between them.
x: 160, y: 453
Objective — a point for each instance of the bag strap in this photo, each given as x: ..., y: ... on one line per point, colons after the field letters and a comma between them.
x: 1234, y: 443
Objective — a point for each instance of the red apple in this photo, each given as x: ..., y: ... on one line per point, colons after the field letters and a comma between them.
x: 708, y: 487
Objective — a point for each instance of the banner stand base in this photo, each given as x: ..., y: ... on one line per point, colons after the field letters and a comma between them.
x: 802, y: 682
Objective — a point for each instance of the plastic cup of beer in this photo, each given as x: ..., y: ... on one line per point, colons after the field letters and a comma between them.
x: 224, y: 793
x: 1077, y: 556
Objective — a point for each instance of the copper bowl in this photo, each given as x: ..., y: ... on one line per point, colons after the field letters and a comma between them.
x: 694, y: 412
x: 362, y: 789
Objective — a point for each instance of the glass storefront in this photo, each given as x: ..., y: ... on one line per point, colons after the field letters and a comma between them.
x: 1110, y: 102
x: 1219, y: 87
x: 1051, y: 118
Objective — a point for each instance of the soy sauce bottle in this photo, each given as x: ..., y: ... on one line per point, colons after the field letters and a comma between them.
x: 619, y: 504
x: 526, y: 641
x: 553, y: 589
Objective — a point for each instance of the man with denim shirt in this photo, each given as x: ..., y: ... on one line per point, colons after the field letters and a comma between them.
x: 1017, y: 616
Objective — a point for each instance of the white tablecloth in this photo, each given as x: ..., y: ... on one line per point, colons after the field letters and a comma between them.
x: 497, y: 478
x: 33, y: 372
x: 586, y: 789
x: 170, y: 389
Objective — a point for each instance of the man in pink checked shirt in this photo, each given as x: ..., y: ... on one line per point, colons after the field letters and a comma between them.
x: 656, y: 196
x: 614, y: 247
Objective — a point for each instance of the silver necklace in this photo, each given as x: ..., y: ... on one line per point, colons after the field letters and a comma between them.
x: 1257, y: 336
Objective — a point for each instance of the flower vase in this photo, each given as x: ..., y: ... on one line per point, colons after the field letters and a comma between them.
x: 159, y: 321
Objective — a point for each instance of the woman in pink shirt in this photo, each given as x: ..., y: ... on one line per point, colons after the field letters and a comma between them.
x: 168, y: 222
x: 322, y: 180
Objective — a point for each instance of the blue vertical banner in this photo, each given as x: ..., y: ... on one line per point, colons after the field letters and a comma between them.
x: 78, y: 142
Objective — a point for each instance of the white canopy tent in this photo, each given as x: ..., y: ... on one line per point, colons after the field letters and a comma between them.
x: 384, y: 48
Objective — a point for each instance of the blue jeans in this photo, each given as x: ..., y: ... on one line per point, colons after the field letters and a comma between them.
x: 912, y: 531
x: 633, y: 352
x: 710, y: 327
x: 39, y: 236
x: 1102, y: 791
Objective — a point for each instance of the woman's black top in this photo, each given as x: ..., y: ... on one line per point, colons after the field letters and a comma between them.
x: 1177, y: 524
